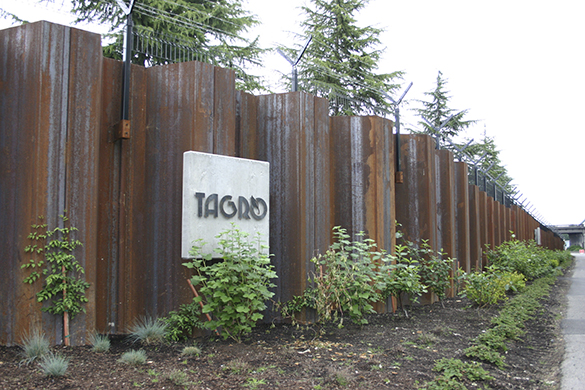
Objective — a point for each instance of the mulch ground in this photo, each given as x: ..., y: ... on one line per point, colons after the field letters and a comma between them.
x: 392, y: 352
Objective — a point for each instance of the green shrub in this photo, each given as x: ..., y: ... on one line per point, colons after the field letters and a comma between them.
x: 574, y: 248
x: 180, y: 323
x: 99, y: 342
x: 524, y: 257
x: 349, y: 277
x: 148, y: 330
x: 54, y: 365
x: 435, y: 269
x: 34, y: 345
x: 236, y: 289
x: 404, y: 278
x: 133, y: 357
x: 488, y: 288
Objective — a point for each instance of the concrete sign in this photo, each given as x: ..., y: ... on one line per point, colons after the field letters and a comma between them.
x: 221, y: 190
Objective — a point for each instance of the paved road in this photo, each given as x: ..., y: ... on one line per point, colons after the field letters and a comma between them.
x: 574, y: 330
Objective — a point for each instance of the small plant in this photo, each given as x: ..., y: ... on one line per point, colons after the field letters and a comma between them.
x: 191, y: 351
x: 453, y: 372
x: 237, y: 288
x: 148, y: 330
x: 178, y: 378
x: 180, y: 323
x: 34, y: 345
x: 405, y: 277
x: 133, y: 357
x: 63, y: 286
x: 435, y: 270
x: 99, y: 342
x: 54, y: 365
x: 253, y: 383
x: 237, y: 367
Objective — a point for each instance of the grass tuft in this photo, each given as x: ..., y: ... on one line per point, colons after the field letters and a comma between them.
x: 54, y: 365
x: 99, y: 342
x: 133, y: 357
x: 178, y: 378
x: 149, y: 330
x: 35, y: 345
x: 191, y: 351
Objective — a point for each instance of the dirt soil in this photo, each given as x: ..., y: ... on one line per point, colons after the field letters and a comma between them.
x: 392, y: 352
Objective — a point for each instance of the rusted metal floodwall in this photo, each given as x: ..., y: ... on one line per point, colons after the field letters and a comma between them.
x: 60, y: 128
x: 50, y: 79
x: 416, y: 198
x: 293, y: 136
x: 462, y: 217
x: 446, y: 209
x: 475, y: 248
x: 362, y: 164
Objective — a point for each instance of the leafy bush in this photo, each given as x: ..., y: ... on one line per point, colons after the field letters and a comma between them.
x: 62, y: 273
x: 148, y: 330
x: 54, y: 365
x: 237, y: 288
x: 180, y: 323
x: 133, y: 357
x: 524, y: 257
x: 404, y: 277
x: 435, y: 268
x: 488, y: 288
x: 99, y: 342
x: 350, y: 277
x: 574, y: 248
x: 34, y: 345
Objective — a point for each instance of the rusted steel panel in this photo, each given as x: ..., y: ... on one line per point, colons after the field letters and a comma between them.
x: 497, y: 223
x: 246, y: 127
x: 416, y: 199
x: 40, y: 124
x: 490, y: 226
x: 108, y: 195
x: 445, y: 190
x: 475, y: 221
x: 462, y: 217
x: 82, y: 161
x: 224, y: 123
x: 363, y: 178
x: 484, y: 231
x: 287, y: 134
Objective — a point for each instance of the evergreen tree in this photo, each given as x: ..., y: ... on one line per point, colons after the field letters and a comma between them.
x: 213, y: 28
x: 437, y: 112
x: 339, y: 63
x: 491, y: 161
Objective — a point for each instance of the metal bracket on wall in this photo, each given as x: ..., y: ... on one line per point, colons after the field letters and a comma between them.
x: 399, y: 177
x: 122, y: 129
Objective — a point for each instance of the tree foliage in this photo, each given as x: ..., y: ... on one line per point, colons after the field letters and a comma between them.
x: 437, y: 112
x: 486, y: 149
x: 341, y: 60
x: 212, y: 27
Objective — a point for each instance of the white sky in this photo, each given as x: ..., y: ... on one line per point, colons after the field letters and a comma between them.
x: 517, y: 65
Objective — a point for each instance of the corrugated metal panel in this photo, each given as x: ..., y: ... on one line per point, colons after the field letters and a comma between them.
x: 462, y: 217
x: 291, y: 136
x: 50, y: 117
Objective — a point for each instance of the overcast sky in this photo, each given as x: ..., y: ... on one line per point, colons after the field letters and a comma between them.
x: 517, y: 65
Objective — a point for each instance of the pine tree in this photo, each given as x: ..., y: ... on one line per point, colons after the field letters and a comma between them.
x: 490, y: 163
x: 211, y: 27
x: 339, y: 63
x: 437, y: 112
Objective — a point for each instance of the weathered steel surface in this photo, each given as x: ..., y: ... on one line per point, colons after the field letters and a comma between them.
x: 416, y: 199
x: 363, y: 179
x: 49, y: 78
x: 483, y: 224
x: 363, y: 165
x: 445, y: 190
x: 293, y: 133
x: 462, y: 217
x: 416, y: 206
x: 475, y: 249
